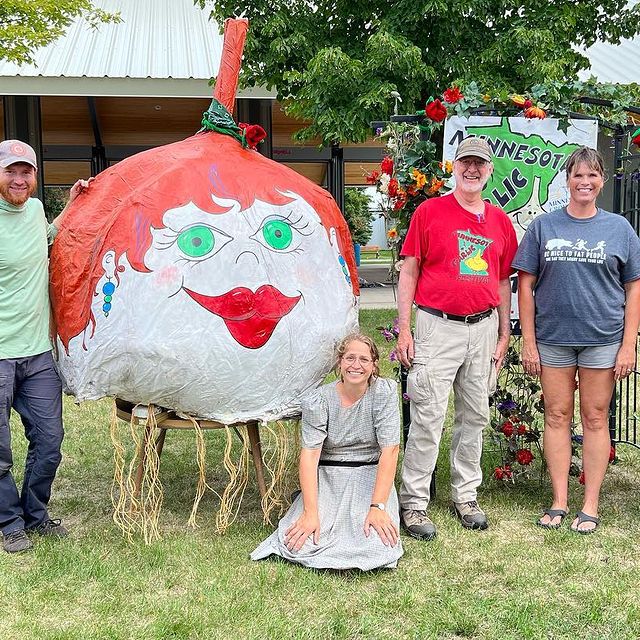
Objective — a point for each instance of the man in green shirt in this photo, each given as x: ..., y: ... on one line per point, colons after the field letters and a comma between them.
x: 28, y: 381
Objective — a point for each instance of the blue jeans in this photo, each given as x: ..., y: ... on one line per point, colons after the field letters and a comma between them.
x: 32, y: 387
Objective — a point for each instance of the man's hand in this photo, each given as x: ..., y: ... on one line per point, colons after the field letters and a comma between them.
x: 296, y: 535
x: 382, y: 523
x: 500, y: 351
x: 404, y: 348
x: 78, y: 188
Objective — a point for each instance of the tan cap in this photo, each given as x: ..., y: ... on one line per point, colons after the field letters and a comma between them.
x: 474, y: 146
x: 13, y: 151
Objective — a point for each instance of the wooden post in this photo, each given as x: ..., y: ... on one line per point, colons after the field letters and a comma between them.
x: 256, y: 454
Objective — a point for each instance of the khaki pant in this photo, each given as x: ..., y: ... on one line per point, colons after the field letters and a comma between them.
x: 448, y: 354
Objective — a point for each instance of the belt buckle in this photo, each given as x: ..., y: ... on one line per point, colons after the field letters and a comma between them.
x: 467, y: 318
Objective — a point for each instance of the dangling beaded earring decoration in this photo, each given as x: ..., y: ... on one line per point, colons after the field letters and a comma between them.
x: 345, y: 270
x: 107, y: 290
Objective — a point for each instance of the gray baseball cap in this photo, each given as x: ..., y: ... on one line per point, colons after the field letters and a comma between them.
x: 473, y: 146
x: 13, y: 151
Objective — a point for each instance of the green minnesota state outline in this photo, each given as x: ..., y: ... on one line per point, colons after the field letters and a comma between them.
x: 518, y: 159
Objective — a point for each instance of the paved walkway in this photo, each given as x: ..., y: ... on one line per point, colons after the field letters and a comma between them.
x: 382, y: 297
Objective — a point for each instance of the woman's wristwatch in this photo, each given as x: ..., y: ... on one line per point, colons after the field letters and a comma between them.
x: 378, y: 505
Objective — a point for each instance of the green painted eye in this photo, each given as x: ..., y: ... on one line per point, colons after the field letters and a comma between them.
x: 277, y: 234
x: 196, y: 241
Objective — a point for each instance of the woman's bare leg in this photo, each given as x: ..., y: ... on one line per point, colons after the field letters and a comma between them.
x: 558, y: 387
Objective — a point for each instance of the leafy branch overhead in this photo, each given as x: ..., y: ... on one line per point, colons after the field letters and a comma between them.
x: 335, y: 63
x: 26, y: 25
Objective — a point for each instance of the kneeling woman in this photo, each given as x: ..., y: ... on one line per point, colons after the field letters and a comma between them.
x: 346, y: 516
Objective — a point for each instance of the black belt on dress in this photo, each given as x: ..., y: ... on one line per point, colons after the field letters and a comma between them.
x: 470, y: 319
x: 346, y: 463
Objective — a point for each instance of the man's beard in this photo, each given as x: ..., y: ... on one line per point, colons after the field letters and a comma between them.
x: 16, y: 201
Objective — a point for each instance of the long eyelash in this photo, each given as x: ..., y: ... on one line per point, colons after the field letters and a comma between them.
x: 299, y: 228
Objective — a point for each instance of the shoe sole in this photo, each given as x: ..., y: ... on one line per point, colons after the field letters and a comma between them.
x: 12, y: 551
x: 474, y: 526
x: 419, y: 536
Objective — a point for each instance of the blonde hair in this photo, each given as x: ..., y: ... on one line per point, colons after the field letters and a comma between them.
x: 588, y: 156
x: 373, y: 350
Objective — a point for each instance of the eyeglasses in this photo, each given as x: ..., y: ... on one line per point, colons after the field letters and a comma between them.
x: 469, y: 162
x: 363, y: 360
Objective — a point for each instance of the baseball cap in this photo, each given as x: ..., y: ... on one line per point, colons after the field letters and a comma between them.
x: 474, y: 146
x: 12, y: 151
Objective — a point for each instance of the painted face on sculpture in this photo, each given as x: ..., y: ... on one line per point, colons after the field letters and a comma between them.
x: 248, y: 269
x: 198, y: 289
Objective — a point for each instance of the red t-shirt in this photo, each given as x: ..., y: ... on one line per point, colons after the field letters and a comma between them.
x: 461, y: 258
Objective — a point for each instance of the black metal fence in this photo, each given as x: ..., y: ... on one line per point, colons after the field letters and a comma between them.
x: 625, y: 409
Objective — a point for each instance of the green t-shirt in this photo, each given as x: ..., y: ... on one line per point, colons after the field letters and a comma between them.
x: 24, y: 279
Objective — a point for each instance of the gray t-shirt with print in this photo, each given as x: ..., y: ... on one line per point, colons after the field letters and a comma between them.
x: 581, y: 266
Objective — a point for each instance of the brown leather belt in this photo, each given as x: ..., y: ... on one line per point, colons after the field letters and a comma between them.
x: 470, y: 319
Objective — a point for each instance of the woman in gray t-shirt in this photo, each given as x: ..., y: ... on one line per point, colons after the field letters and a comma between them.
x: 579, y: 299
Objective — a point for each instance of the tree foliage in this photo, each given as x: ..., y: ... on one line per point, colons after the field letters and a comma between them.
x: 336, y: 62
x: 358, y: 215
x: 27, y: 25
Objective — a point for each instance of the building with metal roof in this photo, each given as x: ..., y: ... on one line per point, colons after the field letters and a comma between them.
x: 162, y: 48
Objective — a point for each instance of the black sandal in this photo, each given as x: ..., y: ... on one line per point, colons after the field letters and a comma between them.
x: 585, y: 517
x: 552, y: 513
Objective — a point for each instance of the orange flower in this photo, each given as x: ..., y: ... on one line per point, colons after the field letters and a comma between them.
x: 435, y: 186
x: 535, y: 112
x: 392, y: 234
x: 419, y: 178
x: 448, y: 166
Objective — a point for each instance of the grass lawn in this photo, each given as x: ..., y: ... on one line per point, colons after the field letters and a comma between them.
x: 512, y: 581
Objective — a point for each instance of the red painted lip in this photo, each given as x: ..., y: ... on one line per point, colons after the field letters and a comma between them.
x: 250, y: 317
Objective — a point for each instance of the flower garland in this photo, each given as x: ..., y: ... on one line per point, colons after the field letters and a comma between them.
x: 412, y: 172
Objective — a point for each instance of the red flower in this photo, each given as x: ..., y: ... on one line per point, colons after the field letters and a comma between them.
x: 400, y: 202
x: 503, y: 473
x: 635, y: 137
x: 507, y: 429
x: 581, y: 477
x: 612, y: 454
x: 253, y: 133
x: 387, y: 165
x: 452, y: 95
x: 393, y: 188
x: 524, y: 456
x: 527, y: 104
x: 435, y: 110
x: 372, y: 178
x: 522, y: 429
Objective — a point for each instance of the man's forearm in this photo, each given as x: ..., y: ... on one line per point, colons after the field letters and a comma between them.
x: 504, y: 308
x: 406, y: 291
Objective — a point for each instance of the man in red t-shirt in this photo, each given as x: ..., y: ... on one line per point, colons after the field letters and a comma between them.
x: 457, y: 263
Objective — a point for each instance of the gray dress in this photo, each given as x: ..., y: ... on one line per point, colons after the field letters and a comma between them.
x: 354, y: 433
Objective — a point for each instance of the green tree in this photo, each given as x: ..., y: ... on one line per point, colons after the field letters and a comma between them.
x: 27, y: 25
x: 358, y: 215
x: 336, y: 62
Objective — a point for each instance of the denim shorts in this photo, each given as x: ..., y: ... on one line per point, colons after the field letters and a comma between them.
x: 596, y: 357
